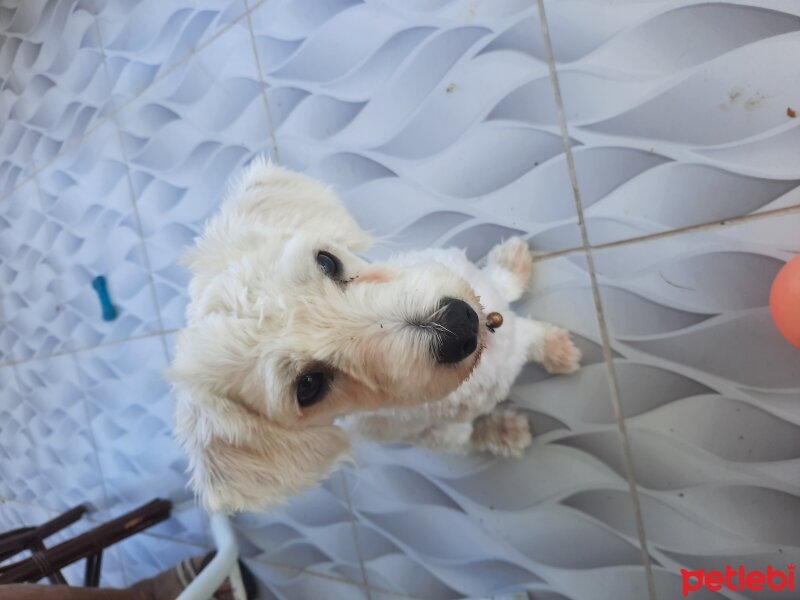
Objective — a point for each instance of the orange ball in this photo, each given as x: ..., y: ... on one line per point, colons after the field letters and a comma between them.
x: 784, y: 301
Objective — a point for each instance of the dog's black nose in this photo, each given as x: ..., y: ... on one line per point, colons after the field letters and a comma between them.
x: 457, y: 335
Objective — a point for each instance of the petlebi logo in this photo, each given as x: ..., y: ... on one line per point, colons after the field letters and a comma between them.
x: 738, y: 579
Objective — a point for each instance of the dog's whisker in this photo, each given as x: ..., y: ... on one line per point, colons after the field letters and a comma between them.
x: 436, y: 326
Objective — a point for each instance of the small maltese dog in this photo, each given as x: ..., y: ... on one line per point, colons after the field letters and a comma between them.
x: 294, y: 343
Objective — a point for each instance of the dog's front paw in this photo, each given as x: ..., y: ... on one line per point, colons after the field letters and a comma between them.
x: 514, y: 256
x: 503, y: 433
x: 560, y: 354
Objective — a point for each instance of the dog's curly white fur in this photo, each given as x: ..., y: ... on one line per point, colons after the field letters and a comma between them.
x: 262, y: 314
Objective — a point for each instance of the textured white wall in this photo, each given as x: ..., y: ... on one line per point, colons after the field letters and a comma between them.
x: 437, y: 122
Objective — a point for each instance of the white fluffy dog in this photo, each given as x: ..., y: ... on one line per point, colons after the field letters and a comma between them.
x: 289, y: 330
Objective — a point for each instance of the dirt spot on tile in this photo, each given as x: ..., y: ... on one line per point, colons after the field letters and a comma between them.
x: 755, y: 101
x: 734, y: 95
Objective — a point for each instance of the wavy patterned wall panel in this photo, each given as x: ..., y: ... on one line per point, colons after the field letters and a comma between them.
x: 136, y: 453
x: 682, y: 113
x: 436, y: 121
x: 407, y: 118
x: 280, y: 583
x: 94, y: 428
x: 47, y: 452
x: 450, y: 527
x: 711, y: 393
x: 53, y: 84
x: 314, y: 531
x: 183, y: 138
x: 74, y: 221
x: 144, y: 39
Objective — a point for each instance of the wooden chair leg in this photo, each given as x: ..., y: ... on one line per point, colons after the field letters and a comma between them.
x: 40, y: 555
x: 16, y: 541
x: 93, y: 566
x: 90, y: 543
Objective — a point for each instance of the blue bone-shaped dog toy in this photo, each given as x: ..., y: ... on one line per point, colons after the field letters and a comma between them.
x: 109, y: 310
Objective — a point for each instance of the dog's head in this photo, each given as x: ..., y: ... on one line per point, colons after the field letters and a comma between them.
x: 288, y: 328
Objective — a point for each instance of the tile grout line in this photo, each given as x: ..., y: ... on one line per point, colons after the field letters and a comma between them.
x: 132, y: 195
x: 688, y: 230
x: 26, y: 503
x: 184, y: 59
x: 274, y: 142
x: 789, y: 210
x: 55, y: 511
x: 542, y: 256
x: 117, y: 109
x: 73, y: 359
x: 106, y: 496
x: 312, y: 573
x: 717, y: 225
x: 140, y: 231
x: 112, y: 118
x: 263, y: 90
x: 604, y: 334
x: 709, y: 225
x: 346, y: 487
x: 135, y: 338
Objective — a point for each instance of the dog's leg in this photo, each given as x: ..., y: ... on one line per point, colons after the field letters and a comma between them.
x: 509, y: 267
x: 447, y: 437
x: 549, y: 345
x: 502, y: 433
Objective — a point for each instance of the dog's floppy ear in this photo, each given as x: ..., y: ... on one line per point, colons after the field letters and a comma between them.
x: 242, y: 462
x: 240, y: 459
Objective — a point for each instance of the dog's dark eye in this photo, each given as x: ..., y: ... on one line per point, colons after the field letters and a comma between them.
x: 329, y: 264
x: 311, y: 387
